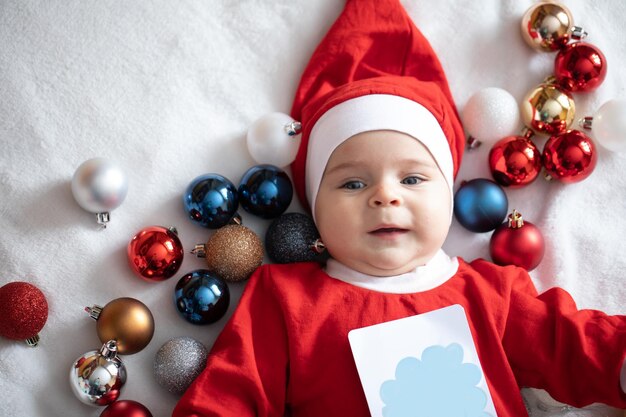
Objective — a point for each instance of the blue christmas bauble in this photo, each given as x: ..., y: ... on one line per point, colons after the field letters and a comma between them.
x: 265, y: 191
x: 201, y: 297
x: 211, y: 200
x: 480, y: 205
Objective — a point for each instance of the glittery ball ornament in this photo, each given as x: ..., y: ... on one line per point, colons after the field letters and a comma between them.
x: 273, y: 139
x: 290, y: 238
x: 23, y: 312
x: 155, y: 253
x: 97, y: 377
x: 480, y: 205
x: 515, y: 161
x: 569, y: 156
x: 233, y: 252
x: 211, y: 200
x: 548, y: 109
x: 517, y: 242
x: 178, y: 362
x: 546, y: 26
x: 99, y: 186
x: 201, y: 297
x: 580, y: 67
x: 491, y: 114
x: 265, y: 191
x: 126, y: 320
x: 126, y: 408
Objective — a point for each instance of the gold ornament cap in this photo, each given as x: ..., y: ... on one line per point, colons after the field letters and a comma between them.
x: 515, y: 220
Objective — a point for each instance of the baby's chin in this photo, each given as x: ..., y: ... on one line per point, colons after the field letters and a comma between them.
x: 389, y: 268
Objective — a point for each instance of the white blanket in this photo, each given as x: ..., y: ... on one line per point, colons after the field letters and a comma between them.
x: 168, y: 89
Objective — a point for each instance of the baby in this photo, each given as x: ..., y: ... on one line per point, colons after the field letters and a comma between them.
x: 381, y: 144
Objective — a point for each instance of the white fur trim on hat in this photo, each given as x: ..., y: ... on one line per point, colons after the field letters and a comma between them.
x: 373, y: 112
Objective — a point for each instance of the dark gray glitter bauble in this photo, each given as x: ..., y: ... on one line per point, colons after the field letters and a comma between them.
x: 289, y: 237
x: 178, y: 362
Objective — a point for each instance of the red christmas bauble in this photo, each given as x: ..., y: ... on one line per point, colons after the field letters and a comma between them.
x: 517, y: 243
x: 23, y: 311
x: 155, y: 253
x: 514, y: 161
x: 580, y: 66
x: 569, y: 156
x: 126, y: 408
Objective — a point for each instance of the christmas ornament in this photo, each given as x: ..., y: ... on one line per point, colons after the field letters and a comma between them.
x: 580, y: 66
x: 480, y: 205
x: 548, y: 26
x: 265, y: 191
x: 99, y: 186
x: 608, y: 125
x: 233, y: 252
x: 23, y: 312
x: 517, y: 243
x: 515, y: 161
x: 178, y: 362
x: 569, y: 156
x: 211, y: 200
x: 155, y: 253
x: 97, y: 377
x: 548, y: 109
x: 126, y: 408
x: 127, y: 321
x: 489, y: 115
x: 290, y: 238
x: 272, y: 139
x: 201, y: 297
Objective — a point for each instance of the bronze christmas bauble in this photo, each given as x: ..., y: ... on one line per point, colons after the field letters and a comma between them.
x: 233, y: 252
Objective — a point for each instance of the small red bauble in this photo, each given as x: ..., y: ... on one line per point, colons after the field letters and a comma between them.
x: 569, y: 156
x: 126, y: 408
x: 517, y: 243
x: 23, y: 312
x: 515, y: 161
x: 155, y: 253
x: 580, y: 66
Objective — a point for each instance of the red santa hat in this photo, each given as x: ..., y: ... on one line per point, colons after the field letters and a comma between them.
x: 374, y: 70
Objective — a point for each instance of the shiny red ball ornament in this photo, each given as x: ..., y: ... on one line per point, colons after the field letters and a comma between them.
x: 515, y: 161
x: 569, y: 156
x: 517, y: 243
x: 580, y: 66
x: 126, y: 408
x: 23, y: 312
x: 155, y: 253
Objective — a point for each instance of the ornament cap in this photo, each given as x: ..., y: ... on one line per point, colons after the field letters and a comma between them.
x: 173, y: 230
x: 578, y: 33
x: 236, y: 219
x: 473, y: 143
x: 109, y: 350
x: 527, y: 133
x: 550, y: 80
x: 515, y: 220
x: 586, y: 122
x: 33, y: 341
x: 94, y: 312
x: 294, y: 128
x: 199, y: 250
x: 102, y: 219
x: 318, y: 246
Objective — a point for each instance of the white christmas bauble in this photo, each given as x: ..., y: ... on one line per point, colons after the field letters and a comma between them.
x: 269, y: 141
x: 99, y: 185
x: 609, y: 125
x: 491, y: 114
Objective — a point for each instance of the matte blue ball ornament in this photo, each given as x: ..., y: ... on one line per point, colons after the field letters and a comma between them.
x: 201, y: 297
x: 265, y: 191
x: 211, y: 200
x: 480, y: 205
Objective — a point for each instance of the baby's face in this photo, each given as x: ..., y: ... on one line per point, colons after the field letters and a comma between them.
x: 383, y: 206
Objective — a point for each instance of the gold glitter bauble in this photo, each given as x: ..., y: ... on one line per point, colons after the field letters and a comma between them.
x: 548, y: 109
x: 546, y: 26
x: 234, y: 252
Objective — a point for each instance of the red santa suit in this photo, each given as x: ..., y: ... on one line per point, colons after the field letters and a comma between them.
x: 285, y: 350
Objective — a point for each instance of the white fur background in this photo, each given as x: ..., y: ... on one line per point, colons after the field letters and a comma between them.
x: 168, y: 89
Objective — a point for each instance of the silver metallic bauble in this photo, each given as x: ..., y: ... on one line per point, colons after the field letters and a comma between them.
x: 99, y: 185
x: 178, y: 362
x: 97, y: 377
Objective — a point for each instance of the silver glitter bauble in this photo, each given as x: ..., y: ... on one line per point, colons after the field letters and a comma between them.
x: 178, y: 362
x: 97, y: 377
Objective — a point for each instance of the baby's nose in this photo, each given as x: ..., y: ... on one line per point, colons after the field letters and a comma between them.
x: 385, y: 195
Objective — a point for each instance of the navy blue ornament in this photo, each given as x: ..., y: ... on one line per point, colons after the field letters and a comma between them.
x: 290, y: 238
x: 265, y: 191
x: 480, y: 205
x: 211, y: 200
x: 201, y: 297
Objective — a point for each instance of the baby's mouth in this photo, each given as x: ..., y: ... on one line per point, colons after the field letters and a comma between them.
x: 384, y: 231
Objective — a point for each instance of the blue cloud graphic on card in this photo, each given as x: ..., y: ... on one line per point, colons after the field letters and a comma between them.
x: 438, y: 385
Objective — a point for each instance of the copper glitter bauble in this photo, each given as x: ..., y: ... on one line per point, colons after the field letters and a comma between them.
x: 127, y: 321
x: 569, y: 156
x: 514, y: 161
x: 23, y: 312
x: 155, y: 253
x: 546, y: 26
x: 548, y: 109
x: 233, y: 252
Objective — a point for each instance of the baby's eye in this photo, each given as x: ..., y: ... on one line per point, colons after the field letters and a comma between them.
x: 413, y: 180
x: 353, y: 185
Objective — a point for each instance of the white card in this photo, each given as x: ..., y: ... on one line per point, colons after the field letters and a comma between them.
x: 424, y: 365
